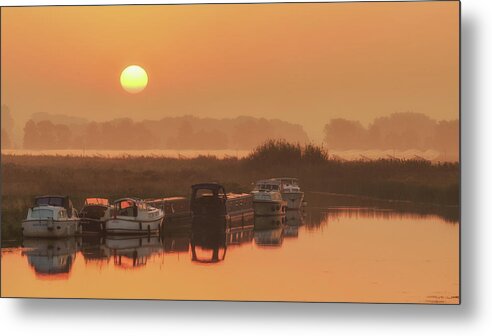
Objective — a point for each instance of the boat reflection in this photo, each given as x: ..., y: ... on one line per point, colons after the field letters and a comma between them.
x: 176, y: 242
x: 208, y: 240
x: 94, y: 250
x: 269, y: 231
x: 132, y: 252
x: 294, y: 218
x: 50, y: 258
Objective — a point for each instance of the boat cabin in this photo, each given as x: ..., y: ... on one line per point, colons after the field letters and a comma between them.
x: 268, y: 185
x: 129, y: 207
x: 56, y: 201
x: 211, y: 199
x: 289, y: 184
x: 45, y: 212
x: 95, y: 208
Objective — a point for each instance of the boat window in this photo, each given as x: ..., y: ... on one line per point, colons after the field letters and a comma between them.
x: 55, y: 201
x: 42, y: 214
x: 128, y: 208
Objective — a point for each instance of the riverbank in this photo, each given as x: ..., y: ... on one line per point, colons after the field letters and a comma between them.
x: 24, y: 177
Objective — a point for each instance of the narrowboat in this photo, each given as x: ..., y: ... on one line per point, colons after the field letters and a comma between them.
x: 210, y: 200
x: 134, y: 216
x: 94, y: 215
x: 267, y: 199
x: 51, y: 217
x: 177, y: 212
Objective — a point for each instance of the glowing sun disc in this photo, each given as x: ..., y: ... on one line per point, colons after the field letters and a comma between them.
x: 134, y: 79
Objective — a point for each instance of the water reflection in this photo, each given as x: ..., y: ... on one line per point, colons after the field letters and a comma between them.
x: 360, y: 251
x: 50, y: 258
x: 132, y: 252
x: 211, y: 235
x: 269, y: 230
x: 208, y: 240
x: 94, y: 250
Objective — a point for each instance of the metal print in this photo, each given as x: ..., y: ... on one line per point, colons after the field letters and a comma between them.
x: 252, y: 152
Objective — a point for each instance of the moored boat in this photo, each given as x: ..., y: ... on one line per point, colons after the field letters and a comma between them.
x: 291, y: 192
x: 51, y: 217
x: 94, y: 215
x: 210, y: 200
x: 134, y: 216
x: 177, y: 212
x: 267, y: 199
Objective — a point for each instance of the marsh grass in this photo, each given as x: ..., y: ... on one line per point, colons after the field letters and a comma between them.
x: 24, y: 177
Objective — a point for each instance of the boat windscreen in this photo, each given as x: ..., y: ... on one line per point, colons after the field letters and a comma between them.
x: 55, y: 201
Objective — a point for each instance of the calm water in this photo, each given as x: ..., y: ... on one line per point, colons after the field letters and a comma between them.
x: 325, y: 254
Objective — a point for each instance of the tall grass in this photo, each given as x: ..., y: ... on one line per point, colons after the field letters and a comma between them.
x: 24, y: 177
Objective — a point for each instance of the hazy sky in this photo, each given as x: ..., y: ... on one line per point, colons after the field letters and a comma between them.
x: 303, y: 63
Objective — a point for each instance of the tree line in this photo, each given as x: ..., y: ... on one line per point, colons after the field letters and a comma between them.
x: 186, y: 132
x: 399, y: 131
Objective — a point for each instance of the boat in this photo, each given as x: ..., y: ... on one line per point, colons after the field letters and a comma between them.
x: 177, y: 212
x: 291, y: 192
x: 134, y: 216
x: 51, y: 217
x: 267, y: 199
x: 210, y: 200
x: 94, y: 215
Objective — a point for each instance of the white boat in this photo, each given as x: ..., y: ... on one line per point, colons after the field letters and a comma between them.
x: 50, y: 221
x: 267, y: 199
x: 133, y: 216
x: 291, y: 192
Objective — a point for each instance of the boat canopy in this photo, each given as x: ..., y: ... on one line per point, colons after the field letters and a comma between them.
x: 97, y: 201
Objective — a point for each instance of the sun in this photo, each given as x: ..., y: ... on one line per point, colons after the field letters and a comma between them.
x: 134, y: 79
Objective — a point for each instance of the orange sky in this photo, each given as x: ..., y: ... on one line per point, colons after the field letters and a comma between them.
x: 303, y: 63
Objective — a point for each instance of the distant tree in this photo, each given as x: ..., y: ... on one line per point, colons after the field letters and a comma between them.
x: 345, y: 134
x: 7, y: 127
x: 31, y: 136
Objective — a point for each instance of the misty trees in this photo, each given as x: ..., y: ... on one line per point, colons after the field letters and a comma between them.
x: 46, y: 135
x: 7, y: 126
x: 401, y: 131
x: 345, y: 134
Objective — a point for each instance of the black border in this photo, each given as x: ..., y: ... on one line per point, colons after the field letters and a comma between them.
x: 273, y: 3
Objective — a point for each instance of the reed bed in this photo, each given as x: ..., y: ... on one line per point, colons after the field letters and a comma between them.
x: 24, y: 177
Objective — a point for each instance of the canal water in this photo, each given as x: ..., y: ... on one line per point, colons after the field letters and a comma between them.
x: 334, y: 254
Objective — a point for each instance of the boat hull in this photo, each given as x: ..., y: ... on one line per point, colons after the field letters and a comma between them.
x: 92, y: 226
x: 46, y: 228
x: 294, y: 199
x: 128, y: 226
x: 269, y: 208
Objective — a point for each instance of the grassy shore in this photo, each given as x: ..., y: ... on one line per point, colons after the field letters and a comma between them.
x: 24, y: 177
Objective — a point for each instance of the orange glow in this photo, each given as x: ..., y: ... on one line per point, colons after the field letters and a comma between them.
x: 303, y: 63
